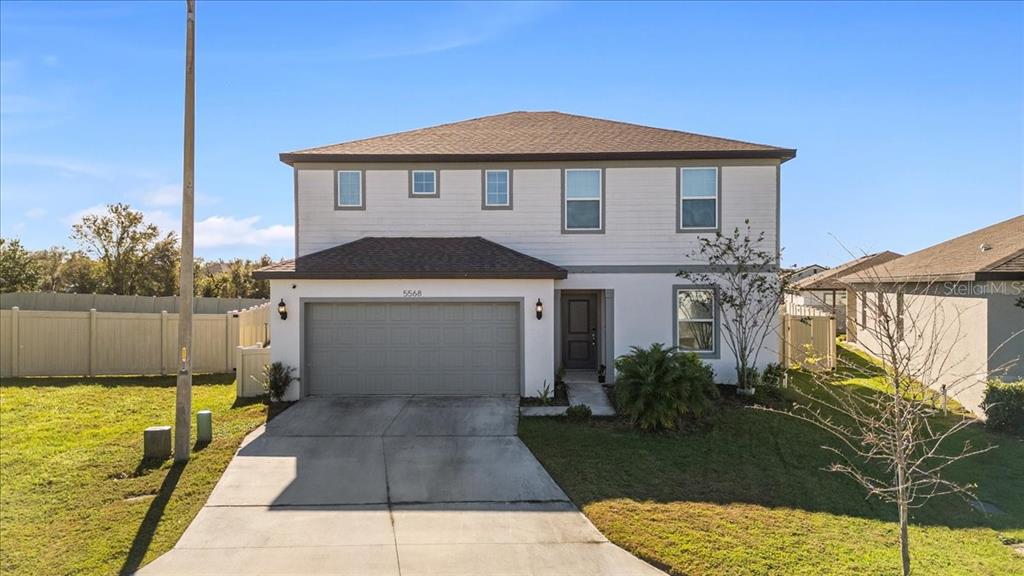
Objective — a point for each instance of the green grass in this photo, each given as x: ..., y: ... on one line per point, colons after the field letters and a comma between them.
x: 75, y: 497
x: 745, y: 494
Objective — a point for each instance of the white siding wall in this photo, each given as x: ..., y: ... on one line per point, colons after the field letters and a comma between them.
x: 640, y: 211
x: 644, y: 306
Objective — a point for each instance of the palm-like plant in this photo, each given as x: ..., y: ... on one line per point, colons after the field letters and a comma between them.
x: 657, y: 385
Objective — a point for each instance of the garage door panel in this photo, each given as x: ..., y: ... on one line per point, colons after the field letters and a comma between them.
x: 413, y: 348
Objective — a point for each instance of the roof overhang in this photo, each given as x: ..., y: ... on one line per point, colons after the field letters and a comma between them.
x: 781, y: 154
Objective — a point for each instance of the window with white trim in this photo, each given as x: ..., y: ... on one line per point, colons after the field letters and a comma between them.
x: 496, y: 192
x: 424, y: 183
x: 350, y: 189
x: 698, y: 198
x: 583, y: 200
x: 695, y: 317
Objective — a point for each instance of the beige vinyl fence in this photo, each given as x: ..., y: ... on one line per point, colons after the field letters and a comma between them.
x: 808, y: 339
x: 250, y: 361
x: 56, y: 343
x: 60, y: 302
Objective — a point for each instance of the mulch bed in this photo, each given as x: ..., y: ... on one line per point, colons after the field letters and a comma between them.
x: 559, y: 398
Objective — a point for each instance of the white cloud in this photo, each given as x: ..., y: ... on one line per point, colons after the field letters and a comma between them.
x: 169, y: 195
x: 35, y: 213
x: 212, y: 232
x: 219, y: 231
x: 65, y: 165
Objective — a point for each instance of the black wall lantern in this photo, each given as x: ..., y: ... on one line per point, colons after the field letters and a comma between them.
x: 540, y: 309
x: 282, y: 309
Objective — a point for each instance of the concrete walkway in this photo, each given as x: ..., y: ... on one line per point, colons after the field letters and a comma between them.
x: 392, y: 486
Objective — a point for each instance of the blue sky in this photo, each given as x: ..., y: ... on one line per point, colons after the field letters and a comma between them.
x: 909, y: 118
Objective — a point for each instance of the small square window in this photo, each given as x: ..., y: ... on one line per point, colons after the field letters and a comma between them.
x: 424, y: 183
x: 496, y: 189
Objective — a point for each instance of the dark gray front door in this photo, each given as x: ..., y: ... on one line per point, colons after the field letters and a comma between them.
x: 579, y: 331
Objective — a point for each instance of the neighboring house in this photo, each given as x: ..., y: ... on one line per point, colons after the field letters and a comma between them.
x: 478, y: 257
x: 796, y: 274
x: 959, y: 306
x: 826, y: 289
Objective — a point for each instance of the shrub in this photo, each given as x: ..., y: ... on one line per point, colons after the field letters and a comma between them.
x: 773, y: 375
x: 1004, y: 406
x: 544, y: 398
x: 276, y: 378
x: 578, y: 413
x: 657, y: 385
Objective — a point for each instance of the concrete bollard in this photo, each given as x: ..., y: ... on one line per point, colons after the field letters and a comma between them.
x: 204, y: 427
x: 156, y: 443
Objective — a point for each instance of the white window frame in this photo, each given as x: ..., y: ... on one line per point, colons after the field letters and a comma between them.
x: 713, y: 321
x: 600, y: 200
x: 715, y: 197
x: 338, y: 204
x: 412, y: 183
x: 508, y: 190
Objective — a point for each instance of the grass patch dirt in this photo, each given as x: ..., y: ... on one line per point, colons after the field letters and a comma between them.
x: 75, y: 496
x: 745, y: 493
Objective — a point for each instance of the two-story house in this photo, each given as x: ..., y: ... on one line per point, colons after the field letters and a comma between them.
x: 478, y: 257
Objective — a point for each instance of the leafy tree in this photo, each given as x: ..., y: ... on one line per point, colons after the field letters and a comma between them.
x: 134, y: 257
x: 749, y: 293
x: 18, y: 272
x: 232, y: 279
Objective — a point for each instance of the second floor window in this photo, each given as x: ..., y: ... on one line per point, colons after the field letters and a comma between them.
x: 350, y: 189
x: 698, y: 198
x: 496, y: 192
x: 424, y: 183
x: 583, y: 200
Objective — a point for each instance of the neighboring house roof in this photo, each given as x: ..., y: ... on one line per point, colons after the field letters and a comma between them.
x: 992, y: 253
x: 832, y: 279
x: 390, y: 258
x: 523, y: 136
x: 799, y: 272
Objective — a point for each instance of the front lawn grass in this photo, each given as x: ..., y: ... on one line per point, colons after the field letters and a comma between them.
x: 75, y: 497
x: 745, y: 494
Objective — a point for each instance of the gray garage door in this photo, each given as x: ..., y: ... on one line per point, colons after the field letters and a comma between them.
x: 412, y: 348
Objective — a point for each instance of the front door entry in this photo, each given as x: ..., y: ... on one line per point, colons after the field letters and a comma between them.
x: 579, y: 331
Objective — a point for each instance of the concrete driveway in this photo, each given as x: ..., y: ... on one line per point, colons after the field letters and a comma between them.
x: 387, y: 486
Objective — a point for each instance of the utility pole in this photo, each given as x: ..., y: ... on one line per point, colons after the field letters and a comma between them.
x: 183, y: 413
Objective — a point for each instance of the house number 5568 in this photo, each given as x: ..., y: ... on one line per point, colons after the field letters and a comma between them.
x: 412, y: 293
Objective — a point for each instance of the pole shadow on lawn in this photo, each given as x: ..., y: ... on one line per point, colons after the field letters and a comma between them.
x: 144, y: 535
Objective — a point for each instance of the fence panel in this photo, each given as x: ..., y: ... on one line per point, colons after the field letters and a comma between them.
x: 53, y: 343
x: 808, y: 342
x: 254, y: 325
x: 250, y: 361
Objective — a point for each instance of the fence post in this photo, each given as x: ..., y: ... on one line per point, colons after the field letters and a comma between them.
x: 163, y: 342
x: 227, y: 342
x: 92, y: 341
x: 15, y: 346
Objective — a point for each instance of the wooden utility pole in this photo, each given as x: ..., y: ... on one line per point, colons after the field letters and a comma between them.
x: 183, y: 414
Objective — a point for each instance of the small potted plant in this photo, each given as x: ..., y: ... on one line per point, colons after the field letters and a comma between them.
x: 602, y: 374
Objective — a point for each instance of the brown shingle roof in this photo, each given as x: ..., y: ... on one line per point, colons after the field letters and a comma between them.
x: 833, y: 279
x: 536, y: 136
x: 383, y: 258
x: 960, y: 259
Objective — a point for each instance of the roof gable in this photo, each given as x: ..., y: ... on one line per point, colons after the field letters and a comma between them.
x: 536, y: 136
x: 414, y: 257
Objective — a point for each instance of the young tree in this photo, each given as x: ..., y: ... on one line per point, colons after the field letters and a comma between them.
x: 749, y: 293
x: 18, y: 271
x: 130, y: 251
x: 893, y: 442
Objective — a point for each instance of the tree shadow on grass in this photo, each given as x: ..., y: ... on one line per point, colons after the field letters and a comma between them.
x: 147, y: 529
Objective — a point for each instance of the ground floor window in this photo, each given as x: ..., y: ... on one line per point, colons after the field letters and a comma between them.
x: 695, y: 319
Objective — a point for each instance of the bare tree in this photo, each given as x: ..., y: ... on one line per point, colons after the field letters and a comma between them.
x: 893, y: 441
x: 749, y: 293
